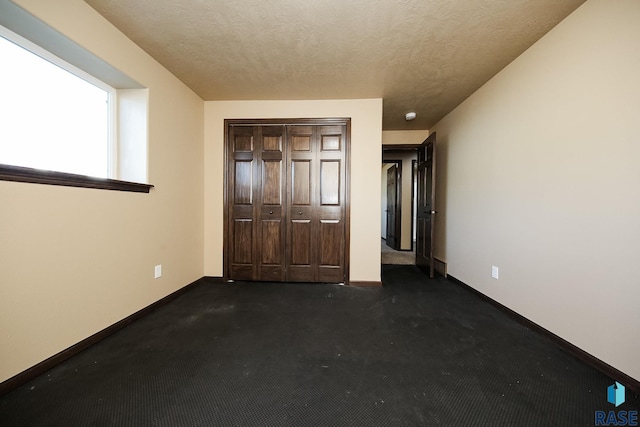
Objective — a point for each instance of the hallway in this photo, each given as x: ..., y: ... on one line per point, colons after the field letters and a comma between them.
x: 391, y: 256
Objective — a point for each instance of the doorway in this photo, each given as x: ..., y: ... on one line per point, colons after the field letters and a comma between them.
x: 420, y: 227
x: 398, y: 204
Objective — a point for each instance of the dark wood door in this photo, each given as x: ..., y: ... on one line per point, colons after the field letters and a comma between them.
x: 286, y: 202
x: 301, y: 194
x: 256, y: 196
x: 425, y: 216
x: 317, y: 194
x: 393, y: 208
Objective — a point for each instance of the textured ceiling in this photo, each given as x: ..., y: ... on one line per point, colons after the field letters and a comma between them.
x: 418, y: 55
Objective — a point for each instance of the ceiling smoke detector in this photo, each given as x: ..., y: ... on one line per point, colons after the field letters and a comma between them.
x: 410, y: 116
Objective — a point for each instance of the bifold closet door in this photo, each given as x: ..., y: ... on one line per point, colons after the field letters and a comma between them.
x: 286, y: 202
x: 256, y: 195
x: 316, y: 204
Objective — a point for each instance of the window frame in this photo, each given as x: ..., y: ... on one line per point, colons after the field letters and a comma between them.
x: 41, y: 176
x: 23, y: 29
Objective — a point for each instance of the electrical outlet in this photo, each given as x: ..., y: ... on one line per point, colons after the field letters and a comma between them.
x: 494, y: 272
x: 157, y: 273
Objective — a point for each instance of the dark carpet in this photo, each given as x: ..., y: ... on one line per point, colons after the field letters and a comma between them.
x: 416, y: 352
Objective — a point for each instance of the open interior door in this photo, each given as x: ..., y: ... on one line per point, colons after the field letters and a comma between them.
x: 393, y: 208
x: 426, y: 213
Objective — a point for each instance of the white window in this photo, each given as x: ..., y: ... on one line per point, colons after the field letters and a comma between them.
x: 67, y: 117
x: 53, y: 116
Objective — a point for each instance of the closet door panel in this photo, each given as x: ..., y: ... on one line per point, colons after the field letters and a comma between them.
x: 332, y: 140
x: 300, y: 249
x: 331, y: 250
x: 272, y: 183
x: 331, y: 243
x: 301, y: 186
x: 241, y: 175
x: 330, y: 182
x: 243, y: 231
x: 330, y: 209
x: 243, y: 188
x: 301, y: 139
x: 271, y: 251
x: 273, y: 142
x: 299, y: 268
x: 301, y: 182
x: 269, y: 194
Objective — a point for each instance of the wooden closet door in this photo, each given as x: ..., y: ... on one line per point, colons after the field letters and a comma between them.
x: 271, y: 198
x: 256, y: 178
x: 241, y: 172
x: 331, y: 200
x: 301, y: 227
x: 316, y: 203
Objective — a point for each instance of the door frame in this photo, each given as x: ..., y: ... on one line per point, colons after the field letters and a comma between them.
x: 341, y: 121
x: 390, y: 150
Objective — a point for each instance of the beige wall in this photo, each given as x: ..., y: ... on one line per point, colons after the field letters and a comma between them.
x: 74, y: 261
x: 366, y: 152
x: 396, y: 137
x: 539, y: 176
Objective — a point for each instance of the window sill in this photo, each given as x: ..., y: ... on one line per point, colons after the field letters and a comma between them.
x: 38, y: 176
